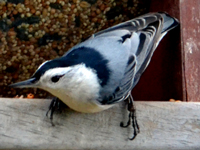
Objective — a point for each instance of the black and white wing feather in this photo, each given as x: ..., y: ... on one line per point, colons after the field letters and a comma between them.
x: 142, y: 35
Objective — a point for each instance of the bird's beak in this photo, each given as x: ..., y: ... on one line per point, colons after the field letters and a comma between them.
x: 30, y: 83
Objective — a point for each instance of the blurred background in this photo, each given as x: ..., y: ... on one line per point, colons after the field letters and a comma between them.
x: 33, y: 31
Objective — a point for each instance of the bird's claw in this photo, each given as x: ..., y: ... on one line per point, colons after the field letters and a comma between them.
x: 132, y: 118
x: 54, y: 105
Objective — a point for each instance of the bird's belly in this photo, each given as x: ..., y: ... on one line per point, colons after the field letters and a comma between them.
x: 84, y: 106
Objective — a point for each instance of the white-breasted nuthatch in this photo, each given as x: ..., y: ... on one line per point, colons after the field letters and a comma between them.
x: 102, y: 70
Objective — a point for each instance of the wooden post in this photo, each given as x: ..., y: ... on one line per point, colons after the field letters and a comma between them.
x: 190, y: 34
x: 163, y: 125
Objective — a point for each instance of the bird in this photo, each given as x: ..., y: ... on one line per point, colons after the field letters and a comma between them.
x: 101, y: 71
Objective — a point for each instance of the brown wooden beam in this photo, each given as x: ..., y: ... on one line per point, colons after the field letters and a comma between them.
x: 190, y: 34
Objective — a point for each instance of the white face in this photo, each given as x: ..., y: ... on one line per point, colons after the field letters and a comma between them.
x: 55, y: 79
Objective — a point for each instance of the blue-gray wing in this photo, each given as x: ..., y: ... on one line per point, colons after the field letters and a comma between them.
x: 145, y: 33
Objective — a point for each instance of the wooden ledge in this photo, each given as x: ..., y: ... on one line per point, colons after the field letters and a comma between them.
x: 163, y: 125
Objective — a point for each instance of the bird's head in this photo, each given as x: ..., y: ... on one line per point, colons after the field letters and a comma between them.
x: 62, y: 79
x: 48, y: 76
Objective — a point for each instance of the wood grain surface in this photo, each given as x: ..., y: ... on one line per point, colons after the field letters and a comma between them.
x: 163, y: 125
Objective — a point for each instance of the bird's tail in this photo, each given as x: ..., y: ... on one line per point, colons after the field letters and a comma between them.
x: 169, y: 23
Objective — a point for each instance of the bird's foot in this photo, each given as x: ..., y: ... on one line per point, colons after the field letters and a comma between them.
x: 55, y: 104
x: 132, y: 118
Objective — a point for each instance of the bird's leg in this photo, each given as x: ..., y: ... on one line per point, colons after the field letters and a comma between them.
x: 61, y: 106
x: 53, y: 105
x: 132, y: 116
x: 56, y: 104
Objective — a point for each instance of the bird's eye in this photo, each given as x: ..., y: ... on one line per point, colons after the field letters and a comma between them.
x: 56, y: 78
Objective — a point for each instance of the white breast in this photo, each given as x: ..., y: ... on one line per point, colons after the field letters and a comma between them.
x: 83, y: 105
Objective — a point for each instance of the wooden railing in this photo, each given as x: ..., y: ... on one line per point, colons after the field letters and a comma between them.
x: 163, y: 125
